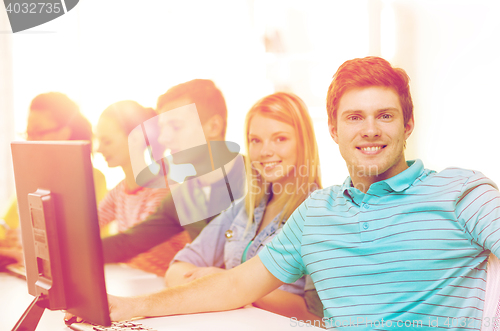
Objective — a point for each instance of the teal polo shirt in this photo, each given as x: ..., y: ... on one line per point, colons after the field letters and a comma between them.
x: 409, y: 253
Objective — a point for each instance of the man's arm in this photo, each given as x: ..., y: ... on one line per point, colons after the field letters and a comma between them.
x: 278, y: 301
x: 180, y: 273
x: 176, y: 271
x: 222, y: 291
x: 478, y: 210
x: 157, y: 228
x: 286, y: 304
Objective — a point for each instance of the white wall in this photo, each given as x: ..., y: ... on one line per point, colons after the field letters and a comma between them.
x: 6, y: 113
x: 455, y: 71
x: 105, y: 51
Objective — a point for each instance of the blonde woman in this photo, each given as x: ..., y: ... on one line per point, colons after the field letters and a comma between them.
x: 282, y: 170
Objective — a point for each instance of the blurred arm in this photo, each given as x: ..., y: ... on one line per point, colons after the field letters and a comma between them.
x: 157, y: 228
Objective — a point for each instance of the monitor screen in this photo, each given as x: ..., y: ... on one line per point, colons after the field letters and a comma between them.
x: 60, y: 229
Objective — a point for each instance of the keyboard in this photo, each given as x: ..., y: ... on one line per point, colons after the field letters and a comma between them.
x: 116, y: 326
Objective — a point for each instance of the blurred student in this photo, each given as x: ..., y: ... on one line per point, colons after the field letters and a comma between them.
x: 284, y: 170
x: 179, y: 133
x: 52, y: 116
x: 128, y: 203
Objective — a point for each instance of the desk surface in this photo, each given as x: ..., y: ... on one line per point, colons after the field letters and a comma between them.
x: 14, y: 299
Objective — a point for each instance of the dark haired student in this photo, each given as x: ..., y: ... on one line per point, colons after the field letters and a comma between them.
x: 195, y: 198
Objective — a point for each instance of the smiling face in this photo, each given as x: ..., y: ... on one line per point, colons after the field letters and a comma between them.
x: 272, y: 148
x: 113, y: 142
x: 371, y: 133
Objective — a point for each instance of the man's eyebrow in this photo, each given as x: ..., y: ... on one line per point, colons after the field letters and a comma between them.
x: 351, y: 111
x: 360, y: 111
x: 387, y: 109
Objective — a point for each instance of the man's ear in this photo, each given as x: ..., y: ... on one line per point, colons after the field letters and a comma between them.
x: 409, y: 127
x: 333, y: 131
x: 214, y: 128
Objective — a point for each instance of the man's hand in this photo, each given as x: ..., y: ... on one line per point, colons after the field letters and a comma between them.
x: 200, y: 272
x: 121, y: 308
x: 70, y: 319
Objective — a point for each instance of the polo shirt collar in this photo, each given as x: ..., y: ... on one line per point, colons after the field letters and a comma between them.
x: 406, y: 178
x: 398, y: 183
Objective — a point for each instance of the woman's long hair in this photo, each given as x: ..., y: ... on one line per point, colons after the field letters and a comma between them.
x: 290, y: 109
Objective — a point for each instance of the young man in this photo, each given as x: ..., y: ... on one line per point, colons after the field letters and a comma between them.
x: 199, y: 199
x: 395, y: 246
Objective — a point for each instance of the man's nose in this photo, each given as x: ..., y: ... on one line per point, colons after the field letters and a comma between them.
x: 370, y: 128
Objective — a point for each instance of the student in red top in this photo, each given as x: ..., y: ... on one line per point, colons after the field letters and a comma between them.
x: 128, y: 203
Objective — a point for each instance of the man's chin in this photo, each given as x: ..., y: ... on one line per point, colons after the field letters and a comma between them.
x: 366, y: 170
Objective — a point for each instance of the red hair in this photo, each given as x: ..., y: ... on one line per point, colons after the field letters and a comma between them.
x: 203, y: 92
x: 366, y: 72
x: 65, y: 112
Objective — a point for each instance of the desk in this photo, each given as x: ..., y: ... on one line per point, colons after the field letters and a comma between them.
x: 125, y: 281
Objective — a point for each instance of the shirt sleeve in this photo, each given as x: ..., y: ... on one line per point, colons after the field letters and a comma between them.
x: 207, y: 250
x: 154, y: 199
x: 478, y: 210
x: 106, y: 208
x: 282, y: 256
x: 156, y: 228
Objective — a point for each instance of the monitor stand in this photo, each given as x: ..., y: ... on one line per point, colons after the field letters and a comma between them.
x: 49, y: 277
x: 29, y: 320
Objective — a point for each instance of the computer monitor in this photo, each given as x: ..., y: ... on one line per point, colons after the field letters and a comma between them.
x: 60, y: 230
